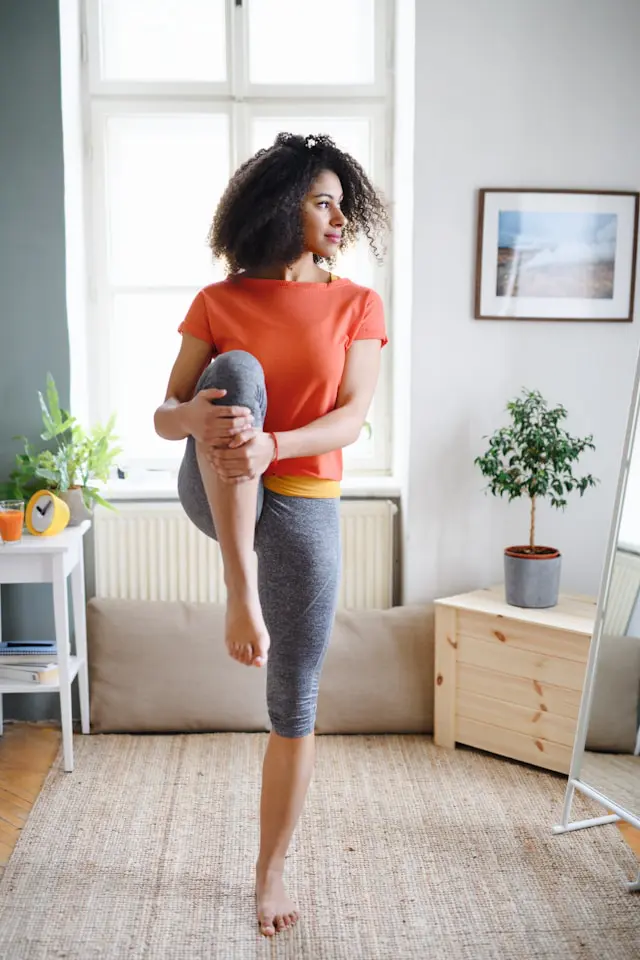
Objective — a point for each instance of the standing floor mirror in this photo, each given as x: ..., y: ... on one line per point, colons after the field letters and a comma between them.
x: 606, y: 756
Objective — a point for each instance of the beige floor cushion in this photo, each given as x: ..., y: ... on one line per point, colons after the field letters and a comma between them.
x: 163, y: 667
x: 160, y: 667
x: 378, y: 673
x: 613, y: 721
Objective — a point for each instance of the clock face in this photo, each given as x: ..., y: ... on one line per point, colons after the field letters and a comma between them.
x: 42, y: 513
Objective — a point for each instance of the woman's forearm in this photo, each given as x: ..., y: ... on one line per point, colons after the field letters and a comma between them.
x: 334, y: 431
x: 169, y: 420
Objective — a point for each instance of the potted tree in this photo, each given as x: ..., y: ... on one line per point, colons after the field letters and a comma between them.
x: 534, y: 457
x: 77, y: 460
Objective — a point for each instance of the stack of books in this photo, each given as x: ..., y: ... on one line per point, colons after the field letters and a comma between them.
x: 28, y: 662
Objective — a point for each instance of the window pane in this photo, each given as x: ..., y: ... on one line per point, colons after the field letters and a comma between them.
x: 358, y: 264
x: 164, y: 177
x: 286, y: 47
x: 144, y: 343
x: 363, y: 449
x: 354, y: 135
x: 162, y: 40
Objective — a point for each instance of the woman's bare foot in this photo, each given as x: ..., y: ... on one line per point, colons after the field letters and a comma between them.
x: 276, y: 912
x: 246, y: 634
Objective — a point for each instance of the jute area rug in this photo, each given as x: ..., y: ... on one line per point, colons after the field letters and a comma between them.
x: 615, y: 775
x: 405, y: 850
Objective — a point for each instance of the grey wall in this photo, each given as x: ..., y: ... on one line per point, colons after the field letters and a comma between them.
x: 32, y: 270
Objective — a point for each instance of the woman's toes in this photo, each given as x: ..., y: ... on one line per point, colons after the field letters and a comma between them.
x: 267, y: 928
x: 241, y: 653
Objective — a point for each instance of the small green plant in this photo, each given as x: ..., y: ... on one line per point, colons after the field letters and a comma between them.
x: 77, y: 459
x: 534, y: 456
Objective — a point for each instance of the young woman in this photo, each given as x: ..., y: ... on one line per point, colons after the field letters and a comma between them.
x: 296, y: 354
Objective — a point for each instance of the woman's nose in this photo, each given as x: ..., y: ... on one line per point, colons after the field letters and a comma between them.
x: 338, y: 219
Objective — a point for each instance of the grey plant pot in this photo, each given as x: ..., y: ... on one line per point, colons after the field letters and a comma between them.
x: 532, y: 583
x: 77, y: 508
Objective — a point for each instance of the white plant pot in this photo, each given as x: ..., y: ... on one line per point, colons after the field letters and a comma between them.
x: 77, y: 508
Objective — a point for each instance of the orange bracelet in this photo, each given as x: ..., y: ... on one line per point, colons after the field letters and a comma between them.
x: 276, y: 451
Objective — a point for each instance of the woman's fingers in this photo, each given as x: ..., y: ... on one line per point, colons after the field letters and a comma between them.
x: 236, y: 469
x: 226, y: 427
x: 238, y: 453
x: 226, y: 412
x: 239, y: 424
x: 242, y: 437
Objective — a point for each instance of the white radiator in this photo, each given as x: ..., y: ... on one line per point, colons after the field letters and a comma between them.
x: 151, y: 551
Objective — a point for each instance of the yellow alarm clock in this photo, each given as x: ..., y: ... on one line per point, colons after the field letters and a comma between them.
x: 46, y: 514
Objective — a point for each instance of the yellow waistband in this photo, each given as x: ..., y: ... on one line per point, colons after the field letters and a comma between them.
x: 314, y: 488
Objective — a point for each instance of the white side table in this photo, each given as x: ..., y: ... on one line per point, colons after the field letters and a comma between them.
x: 51, y: 560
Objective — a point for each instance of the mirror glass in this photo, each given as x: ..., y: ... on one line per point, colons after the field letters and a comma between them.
x: 611, y: 762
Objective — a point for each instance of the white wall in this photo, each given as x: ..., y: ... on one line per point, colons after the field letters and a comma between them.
x: 511, y: 94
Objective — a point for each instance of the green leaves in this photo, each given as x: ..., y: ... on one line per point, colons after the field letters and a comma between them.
x: 77, y: 457
x: 534, y: 456
x: 55, y: 420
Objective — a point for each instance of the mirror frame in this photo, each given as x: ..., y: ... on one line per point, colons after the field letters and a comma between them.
x: 575, y: 782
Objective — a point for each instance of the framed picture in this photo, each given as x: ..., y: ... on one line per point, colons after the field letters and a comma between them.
x: 556, y: 255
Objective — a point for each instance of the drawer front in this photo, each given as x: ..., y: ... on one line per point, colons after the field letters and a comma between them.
x: 528, y: 693
x: 501, y: 658
x: 536, y: 724
x: 518, y: 635
x: 518, y: 746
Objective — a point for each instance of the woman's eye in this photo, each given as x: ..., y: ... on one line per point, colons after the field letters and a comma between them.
x: 323, y: 203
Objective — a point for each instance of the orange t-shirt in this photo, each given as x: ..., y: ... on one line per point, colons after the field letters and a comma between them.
x: 300, y: 333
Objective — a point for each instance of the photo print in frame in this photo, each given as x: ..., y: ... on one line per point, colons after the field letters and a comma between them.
x: 556, y: 255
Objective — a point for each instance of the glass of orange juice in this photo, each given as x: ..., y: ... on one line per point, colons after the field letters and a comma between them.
x: 11, y: 520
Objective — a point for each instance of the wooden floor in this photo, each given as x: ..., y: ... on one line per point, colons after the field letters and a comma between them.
x: 632, y: 836
x: 26, y: 754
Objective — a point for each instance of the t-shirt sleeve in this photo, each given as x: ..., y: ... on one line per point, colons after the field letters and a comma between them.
x: 372, y: 325
x: 196, y: 322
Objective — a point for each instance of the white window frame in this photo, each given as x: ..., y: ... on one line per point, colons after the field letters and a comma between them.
x: 242, y: 101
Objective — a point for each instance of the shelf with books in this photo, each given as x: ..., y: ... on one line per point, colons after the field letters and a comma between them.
x: 27, y: 652
x: 33, y: 686
x: 59, y: 561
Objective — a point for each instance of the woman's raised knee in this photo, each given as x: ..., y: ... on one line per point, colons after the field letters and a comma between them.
x: 242, y: 377
x: 232, y: 369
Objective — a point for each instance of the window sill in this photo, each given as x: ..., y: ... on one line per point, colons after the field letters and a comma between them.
x: 162, y: 486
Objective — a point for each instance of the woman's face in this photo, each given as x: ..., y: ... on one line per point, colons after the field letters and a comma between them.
x: 322, y: 218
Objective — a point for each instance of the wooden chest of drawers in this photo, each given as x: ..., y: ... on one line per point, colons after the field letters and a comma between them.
x: 509, y: 680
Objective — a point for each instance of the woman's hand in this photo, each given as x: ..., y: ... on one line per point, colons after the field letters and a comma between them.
x: 215, y: 425
x: 246, y: 462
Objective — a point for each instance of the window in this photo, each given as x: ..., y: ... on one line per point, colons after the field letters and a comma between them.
x: 177, y: 96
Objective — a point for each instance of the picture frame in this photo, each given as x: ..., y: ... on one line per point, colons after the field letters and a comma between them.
x: 556, y: 254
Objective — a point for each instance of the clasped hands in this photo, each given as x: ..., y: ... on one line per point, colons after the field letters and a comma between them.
x: 236, y: 450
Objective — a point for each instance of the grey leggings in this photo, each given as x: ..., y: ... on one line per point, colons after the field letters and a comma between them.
x: 298, y: 546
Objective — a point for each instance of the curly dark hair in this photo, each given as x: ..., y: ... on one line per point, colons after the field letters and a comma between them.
x: 259, y: 217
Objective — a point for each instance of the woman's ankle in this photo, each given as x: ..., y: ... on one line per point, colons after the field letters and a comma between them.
x: 270, y: 866
x: 241, y: 584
